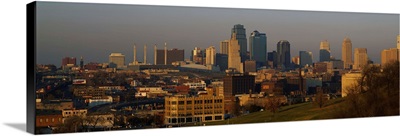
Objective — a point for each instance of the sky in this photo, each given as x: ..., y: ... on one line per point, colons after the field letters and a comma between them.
x: 93, y: 31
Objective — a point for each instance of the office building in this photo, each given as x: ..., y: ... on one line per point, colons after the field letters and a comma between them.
x: 283, y: 53
x: 324, y: 51
x: 347, y: 53
x: 166, y: 57
x: 210, y: 55
x: 238, y: 84
x: 272, y: 59
x: 68, y: 61
x: 224, y: 47
x: 240, y: 33
x: 296, y: 60
x: 250, y: 66
x: 258, y: 47
x: 234, y: 54
x: 222, y: 61
x: 197, y: 56
x: 305, y: 58
x: 360, y: 58
x: 117, y: 58
x: 389, y: 55
x: 194, y: 109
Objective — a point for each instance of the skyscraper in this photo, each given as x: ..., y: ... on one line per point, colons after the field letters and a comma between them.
x: 222, y: 61
x: 324, y: 51
x: 283, y: 54
x: 360, y: 58
x: 234, y: 53
x: 224, y: 47
x: 117, y: 58
x: 305, y: 58
x: 347, y: 53
x: 210, y: 55
x: 258, y: 47
x: 272, y: 59
x: 81, y: 63
x: 389, y: 55
x: 240, y: 34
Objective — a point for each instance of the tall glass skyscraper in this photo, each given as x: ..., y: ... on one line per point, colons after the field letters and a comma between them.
x: 283, y: 50
x: 240, y: 33
x: 258, y: 47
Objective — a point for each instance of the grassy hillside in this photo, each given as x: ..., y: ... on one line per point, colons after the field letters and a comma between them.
x: 297, y: 112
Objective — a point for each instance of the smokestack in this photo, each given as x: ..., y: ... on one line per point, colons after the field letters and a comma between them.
x: 165, y: 53
x: 155, y: 54
x: 145, y: 54
x: 134, y: 54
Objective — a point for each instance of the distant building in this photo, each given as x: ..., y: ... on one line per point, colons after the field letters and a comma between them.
x: 224, y: 47
x: 48, y: 118
x: 347, y: 53
x: 238, y: 84
x: 210, y: 55
x: 234, y: 54
x: 74, y: 112
x: 283, y: 54
x: 71, y: 61
x: 182, y: 109
x: 258, y: 47
x: 389, y: 55
x: 222, y: 61
x: 173, y: 55
x: 239, y: 32
x: 296, y: 60
x: 324, y: 51
x: 197, y: 56
x: 305, y: 58
x: 360, y: 58
x: 349, y: 80
x: 250, y: 66
x: 117, y: 59
x: 273, y: 58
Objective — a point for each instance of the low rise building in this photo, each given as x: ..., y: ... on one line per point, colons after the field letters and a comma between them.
x: 183, y: 109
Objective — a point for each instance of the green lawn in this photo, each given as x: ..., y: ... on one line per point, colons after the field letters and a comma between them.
x: 297, y: 112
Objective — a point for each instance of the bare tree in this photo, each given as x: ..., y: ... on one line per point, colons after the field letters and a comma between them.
x: 273, y: 104
x: 320, y: 99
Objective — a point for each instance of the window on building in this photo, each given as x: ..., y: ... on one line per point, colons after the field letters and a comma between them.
x: 47, y: 120
x: 40, y: 120
x: 52, y: 119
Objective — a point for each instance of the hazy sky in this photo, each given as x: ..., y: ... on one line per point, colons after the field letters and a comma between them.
x: 96, y: 30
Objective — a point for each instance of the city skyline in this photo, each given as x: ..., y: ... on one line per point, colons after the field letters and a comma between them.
x: 66, y: 32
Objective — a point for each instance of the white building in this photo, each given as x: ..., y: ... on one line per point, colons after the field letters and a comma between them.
x: 196, y: 85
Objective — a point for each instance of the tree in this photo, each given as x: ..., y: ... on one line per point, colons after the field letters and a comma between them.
x: 320, y: 99
x: 273, y: 104
x: 376, y: 94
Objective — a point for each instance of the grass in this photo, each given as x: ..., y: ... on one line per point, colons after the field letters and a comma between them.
x: 297, y: 112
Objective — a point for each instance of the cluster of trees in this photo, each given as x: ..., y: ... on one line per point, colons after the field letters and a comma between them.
x: 376, y: 94
x: 82, y: 123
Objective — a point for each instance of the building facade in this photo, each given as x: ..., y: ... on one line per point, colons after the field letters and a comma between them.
x: 349, y: 80
x: 283, y: 53
x: 221, y: 61
x: 173, y: 55
x: 389, y: 55
x: 182, y: 109
x: 324, y: 51
x: 272, y: 59
x: 347, y: 50
x: 305, y: 58
x: 240, y: 34
x: 68, y: 61
x: 210, y: 55
x: 117, y: 59
x: 360, y: 58
x: 234, y: 54
x: 224, y: 47
x: 258, y: 47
